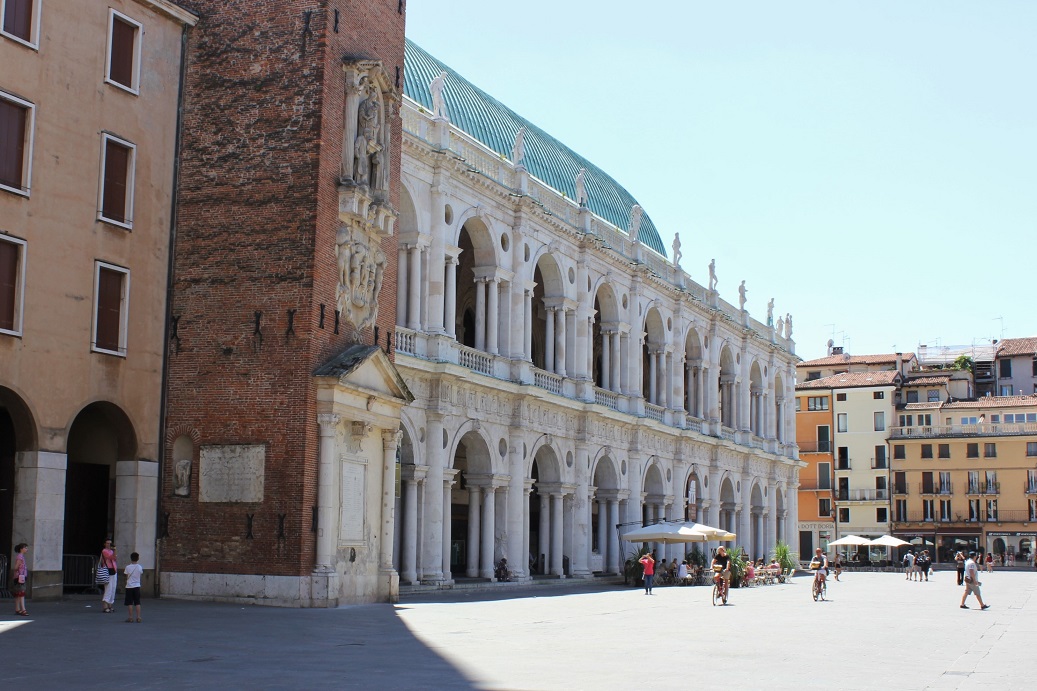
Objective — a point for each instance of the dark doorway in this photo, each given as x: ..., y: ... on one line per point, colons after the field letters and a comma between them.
x: 806, y: 542
x: 7, y: 450
x: 87, y: 500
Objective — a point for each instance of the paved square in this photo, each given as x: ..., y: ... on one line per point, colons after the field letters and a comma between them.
x: 878, y: 631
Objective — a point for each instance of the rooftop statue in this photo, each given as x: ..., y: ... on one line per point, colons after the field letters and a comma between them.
x: 581, y: 187
x: 435, y: 87
x: 518, y: 149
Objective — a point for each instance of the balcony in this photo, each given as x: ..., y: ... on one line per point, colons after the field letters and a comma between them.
x: 984, y: 488
x: 815, y: 486
x: 863, y: 495
x: 977, y: 430
x: 899, y: 489
x: 1013, y: 516
x: 843, y: 464
x: 879, y: 463
x: 815, y: 447
x: 1030, y: 489
x: 936, y: 488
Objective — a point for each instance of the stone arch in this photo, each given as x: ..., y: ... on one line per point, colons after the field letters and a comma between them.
x: 548, y: 297
x: 476, y: 262
x: 472, y: 457
x: 605, y: 338
x: 653, y: 358
x: 18, y: 434
x: 756, y: 540
x: 728, y: 500
x: 99, y: 437
x: 693, y: 499
x: 694, y: 374
x: 727, y: 384
x: 413, y: 437
x: 757, y: 396
x: 407, y: 226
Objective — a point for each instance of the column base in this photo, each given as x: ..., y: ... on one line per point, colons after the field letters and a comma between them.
x: 393, y: 586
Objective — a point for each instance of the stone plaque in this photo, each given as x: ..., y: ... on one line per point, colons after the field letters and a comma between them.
x: 232, y: 473
x: 353, y: 509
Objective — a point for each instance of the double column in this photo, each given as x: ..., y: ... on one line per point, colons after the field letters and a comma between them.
x: 482, y: 528
x: 413, y: 475
x: 556, y: 334
x: 610, y: 358
x: 487, y: 313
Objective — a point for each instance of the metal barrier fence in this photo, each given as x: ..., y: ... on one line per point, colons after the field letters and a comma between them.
x: 77, y: 571
x: 5, y: 574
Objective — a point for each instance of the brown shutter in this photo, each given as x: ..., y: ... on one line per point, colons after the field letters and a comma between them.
x: 120, y: 69
x: 18, y: 18
x: 116, y: 169
x: 109, y: 306
x: 12, y: 143
x: 8, y: 283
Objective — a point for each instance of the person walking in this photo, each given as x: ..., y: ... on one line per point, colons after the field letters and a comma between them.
x: 922, y: 564
x: 109, y: 558
x: 649, y: 565
x: 20, y: 573
x: 972, y: 582
x: 909, y: 565
x: 990, y: 563
x: 959, y: 567
x: 134, y: 571
x: 838, y: 565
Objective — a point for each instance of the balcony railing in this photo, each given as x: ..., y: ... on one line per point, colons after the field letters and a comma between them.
x: 548, y: 380
x: 863, y: 495
x: 843, y: 464
x: 815, y: 447
x: 814, y: 485
x: 984, y: 488
x: 899, y: 489
x: 1030, y: 489
x: 475, y: 360
x: 879, y: 463
x: 936, y: 488
x: 654, y: 412
x: 978, y: 430
x: 609, y: 399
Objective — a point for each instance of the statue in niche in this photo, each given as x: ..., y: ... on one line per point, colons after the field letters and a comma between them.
x: 741, y: 296
x: 435, y: 88
x: 634, y: 231
x: 581, y: 187
x: 770, y: 313
x: 518, y: 149
x: 367, y: 151
x: 788, y: 325
x: 182, y: 477
x: 677, y: 250
x: 361, y: 270
x: 713, y: 275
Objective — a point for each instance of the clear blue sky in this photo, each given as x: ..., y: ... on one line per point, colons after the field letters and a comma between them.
x: 871, y: 165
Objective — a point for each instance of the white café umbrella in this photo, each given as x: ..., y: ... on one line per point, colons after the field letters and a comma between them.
x: 669, y: 533
x: 850, y: 541
x: 887, y: 541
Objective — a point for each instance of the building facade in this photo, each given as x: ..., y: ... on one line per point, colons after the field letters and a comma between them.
x: 814, y: 425
x: 1017, y: 366
x: 570, y: 381
x: 965, y: 475
x: 88, y: 106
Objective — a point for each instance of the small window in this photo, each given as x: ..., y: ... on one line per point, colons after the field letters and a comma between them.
x: 1034, y: 366
x: 901, y: 510
x: 927, y: 450
x: 17, y: 118
x: 12, y: 284
x: 844, y: 515
x: 878, y: 395
x: 1006, y: 390
x: 881, y: 514
x: 840, y: 397
x: 880, y: 422
x: 945, y: 450
x: 824, y: 507
x: 21, y: 19
x: 1006, y: 368
x: 841, y: 422
x: 972, y: 450
x: 111, y: 308
x: 994, y: 419
x: 880, y: 457
x: 898, y: 452
x: 932, y: 395
x: 118, y: 160
x: 912, y: 397
x: 817, y: 403
x: 1031, y: 448
x: 123, y: 52
x: 990, y: 450
x: 813, y: 376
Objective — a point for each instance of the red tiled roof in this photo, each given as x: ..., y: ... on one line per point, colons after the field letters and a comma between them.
x: 1017, y: 346
x: 923, y: 406
x: 848, y: 380
x: 928, y: 380
x: 995, y: 402
x: 835, y: 360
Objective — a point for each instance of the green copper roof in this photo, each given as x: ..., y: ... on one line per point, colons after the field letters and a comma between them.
x: 494, y: 124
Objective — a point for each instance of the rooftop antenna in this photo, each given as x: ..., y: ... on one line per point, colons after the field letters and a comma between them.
x: 1002, y: 320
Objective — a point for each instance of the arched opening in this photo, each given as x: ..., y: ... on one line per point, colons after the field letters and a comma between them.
x: 779, y: 408
x: 756, y: 399
x: 757, y: 541
x: 999, y: 545
x: 694, y: 392
x: 545, y: 516
x: 549, y: 317
x: 407, y: 531
x: 471, y: 524
x: 606, y: 354
x: 654, y: 381
x: 727, y: 506
x: 693, y: 494
x: 100, y: 436
x: 475, y: 309
x: 410, y: 271
x: 17, y: 434
x: 605, y: 515
x: 726, y: 384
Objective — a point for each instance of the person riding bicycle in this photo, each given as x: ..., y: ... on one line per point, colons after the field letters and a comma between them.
x: 820, y: 566
x: 720, y: 559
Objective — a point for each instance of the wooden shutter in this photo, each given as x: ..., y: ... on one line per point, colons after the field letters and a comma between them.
x: 116, y: 170
x: 18, y: 19
x: 12, y: 143
x: 120, y: 66
x: 109, y: 308
x: 8, y: 283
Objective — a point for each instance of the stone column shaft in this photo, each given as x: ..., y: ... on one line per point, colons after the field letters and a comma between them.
x: 472, y: 545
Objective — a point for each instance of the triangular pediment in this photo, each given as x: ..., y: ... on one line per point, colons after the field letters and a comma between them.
x: 367, y: 369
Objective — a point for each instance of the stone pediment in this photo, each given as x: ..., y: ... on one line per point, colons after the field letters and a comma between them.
x: 367, y: 368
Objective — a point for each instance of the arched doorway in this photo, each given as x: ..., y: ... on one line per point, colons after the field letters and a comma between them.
x: 728, y: 396
x: 17, y: 434
x: 472, y: 510
x: 756, y: 398
x: 694, y: 395
x: 605, y: 515
x: 548, y: 327
x: 477, y: 262
x: 545, y: 519
x: 100, y: 436
x: 606, y: 336
x: 727, y: 507
x: 654, y: 381
x: 756, y: 529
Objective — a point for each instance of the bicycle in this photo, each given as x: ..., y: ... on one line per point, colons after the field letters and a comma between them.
x: 819, y: 589
x: 720, y: 590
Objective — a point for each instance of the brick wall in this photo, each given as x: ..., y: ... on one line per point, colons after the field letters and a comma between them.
x: 257, y: 218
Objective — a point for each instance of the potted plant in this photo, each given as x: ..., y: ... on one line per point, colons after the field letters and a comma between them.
x: 738, y: 562
x: 784, y: 555
x: 634, y: 570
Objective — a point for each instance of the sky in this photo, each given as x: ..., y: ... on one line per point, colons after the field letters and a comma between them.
x: 871, y: 165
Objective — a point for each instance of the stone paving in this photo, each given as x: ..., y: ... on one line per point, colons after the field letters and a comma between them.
x: 877, y: 631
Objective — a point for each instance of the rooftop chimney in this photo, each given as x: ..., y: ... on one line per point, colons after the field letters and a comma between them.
x: 900, y: 363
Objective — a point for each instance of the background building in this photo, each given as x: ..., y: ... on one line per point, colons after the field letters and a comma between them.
x: 88, y: 105
x: 1017, y: 366
x: 814, y: 425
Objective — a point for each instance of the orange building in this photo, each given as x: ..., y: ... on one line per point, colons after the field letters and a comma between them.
x: 814, y: 438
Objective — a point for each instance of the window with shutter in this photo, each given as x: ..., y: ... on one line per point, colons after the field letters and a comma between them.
x: 9, y: 281
x: 123, y: 51
x: 18, y: 19
x: 116, y: 203
x: 109, y: 309
x: 14, y: 123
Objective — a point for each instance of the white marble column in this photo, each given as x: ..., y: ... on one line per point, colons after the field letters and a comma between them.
x: 414, y: 284
x: 450, y: 298
x: 560, y: 341
x: 653, y: 376
x: 480, y: 314
x: 412, y: 475
x: 615, y: 564
x: 606, y: 361
x: 615, y: 362
x: 433, y: 545
x: 472, y: 545
x: 327, y: 494
x: 603, y: 534
x: 544, y: 532
x: 390, y: 441
x: 557, y: 523
x: 493, y: 317
x: 448, y: 482
x: 517, y: 510
x: 549, y: 340
x: 488, y: 530
x: 401, y: 286
x: 527, y: 325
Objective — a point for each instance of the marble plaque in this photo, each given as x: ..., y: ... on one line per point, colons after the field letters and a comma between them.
x: 351, y: 529
x: 232, y: 473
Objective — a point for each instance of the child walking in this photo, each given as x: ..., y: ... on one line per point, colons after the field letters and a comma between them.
x: 20, y: 573
x: 133, y: 572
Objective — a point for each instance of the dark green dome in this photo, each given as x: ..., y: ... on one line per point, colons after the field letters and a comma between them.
x: 494, y: 124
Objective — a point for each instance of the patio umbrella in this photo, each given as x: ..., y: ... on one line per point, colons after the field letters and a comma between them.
x: 886, y: 541
x: 850, y: 540
x: 669, y: 533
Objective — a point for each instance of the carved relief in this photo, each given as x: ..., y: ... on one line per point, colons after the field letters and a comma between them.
x: 182, y: 478
x: 361, y: 267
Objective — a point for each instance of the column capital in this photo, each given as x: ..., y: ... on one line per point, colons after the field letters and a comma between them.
x: 391, y: 438
x: 413, y: 473
x: 328, y: 422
